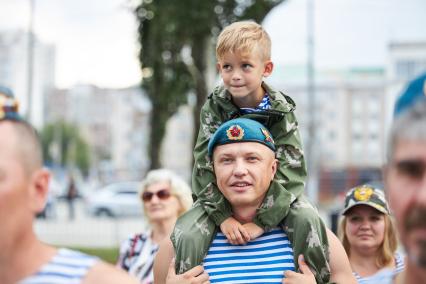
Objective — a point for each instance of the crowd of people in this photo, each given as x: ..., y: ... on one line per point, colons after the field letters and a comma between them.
x: 251, y: 222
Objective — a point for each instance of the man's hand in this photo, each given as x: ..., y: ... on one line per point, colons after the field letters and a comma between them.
x: 196, y: 275
x: 234, y: 231
x: 305, y: 277
x: 253, y: 230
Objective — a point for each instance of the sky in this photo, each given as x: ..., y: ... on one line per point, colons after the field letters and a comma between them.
x: 96, y: 40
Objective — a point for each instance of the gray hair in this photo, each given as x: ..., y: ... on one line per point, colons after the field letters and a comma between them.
x: 178, y: 186
x: 410, y: 125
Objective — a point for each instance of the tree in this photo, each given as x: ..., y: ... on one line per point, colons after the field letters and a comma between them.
x: 175, y: 43
x: 63, y: 145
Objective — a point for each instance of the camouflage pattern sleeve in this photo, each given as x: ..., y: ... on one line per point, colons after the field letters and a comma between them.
x: 292, y: 171
x: 203, y: 178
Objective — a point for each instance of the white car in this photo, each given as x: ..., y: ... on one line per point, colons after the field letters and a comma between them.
x: 115, y: 200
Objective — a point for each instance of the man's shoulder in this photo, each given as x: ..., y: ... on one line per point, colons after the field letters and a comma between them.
x: 105, y: 273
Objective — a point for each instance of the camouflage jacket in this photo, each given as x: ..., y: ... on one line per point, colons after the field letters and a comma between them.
x: 291, y: 173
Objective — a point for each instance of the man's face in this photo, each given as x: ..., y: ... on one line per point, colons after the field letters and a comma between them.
x: 406, y: 185
x: 243, y: 172
x: 14, y: 199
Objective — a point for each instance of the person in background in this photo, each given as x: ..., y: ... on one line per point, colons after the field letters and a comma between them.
x: 71, y: 196
x: 164, y: 196
x: 24, y: 184
x: 368, y: 234
x: 405, y: 179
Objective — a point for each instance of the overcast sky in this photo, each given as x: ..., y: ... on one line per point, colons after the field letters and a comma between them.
x: 96, y: 40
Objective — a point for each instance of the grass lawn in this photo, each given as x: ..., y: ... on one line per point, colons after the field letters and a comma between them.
x: 107, y: 254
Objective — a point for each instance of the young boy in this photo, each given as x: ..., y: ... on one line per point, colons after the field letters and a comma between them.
x: 243, y: 51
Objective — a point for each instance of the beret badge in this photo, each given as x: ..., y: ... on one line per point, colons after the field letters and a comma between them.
x: 268, y: 136
x: 235, y: 132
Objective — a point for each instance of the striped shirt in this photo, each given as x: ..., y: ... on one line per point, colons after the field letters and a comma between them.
x: 66, y: 267
x: 262, y: 260
x: 137, y: 255
x: 264, y: 105
x: 382, y: 274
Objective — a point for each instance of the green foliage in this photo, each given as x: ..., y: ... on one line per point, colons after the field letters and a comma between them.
x: 175, y: 41
x: 62, y: 144
x: 107, y: 254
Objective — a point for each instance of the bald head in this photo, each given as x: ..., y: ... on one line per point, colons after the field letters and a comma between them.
x: 25, y: 143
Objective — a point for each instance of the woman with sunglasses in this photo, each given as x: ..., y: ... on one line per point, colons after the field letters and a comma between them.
x: 165, y: 196
x: 368, y: 234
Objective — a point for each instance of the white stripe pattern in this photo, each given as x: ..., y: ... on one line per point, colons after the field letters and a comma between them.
x: 66, y: 267
x: 262, y: 260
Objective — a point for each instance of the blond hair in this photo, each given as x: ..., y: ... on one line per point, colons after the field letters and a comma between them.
x: 243, y: 37
x: 387, y: 248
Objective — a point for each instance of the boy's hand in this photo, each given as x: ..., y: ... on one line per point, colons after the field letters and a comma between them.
x: 253, y: 230
x: 234, y: 231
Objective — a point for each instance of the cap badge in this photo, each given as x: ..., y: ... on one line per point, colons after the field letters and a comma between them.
x: 268, y: 137
x: 363, y: 193
x: 235, y: 132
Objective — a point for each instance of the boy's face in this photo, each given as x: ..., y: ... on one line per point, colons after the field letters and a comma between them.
x: 242, y: 76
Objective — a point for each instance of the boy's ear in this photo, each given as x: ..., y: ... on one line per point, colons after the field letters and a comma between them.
x: 218, y: 67
x: 269, y: 66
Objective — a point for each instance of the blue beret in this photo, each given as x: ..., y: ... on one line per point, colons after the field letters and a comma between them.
x: 414, y: 92
x: 241, y: 130
x: 8, y: 105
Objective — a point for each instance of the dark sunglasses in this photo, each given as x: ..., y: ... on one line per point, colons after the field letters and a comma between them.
x: 162, y: 194
x: 412, y: 169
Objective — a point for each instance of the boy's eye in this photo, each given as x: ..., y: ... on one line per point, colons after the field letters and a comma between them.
x: 246, y: 66
x: 226, y: 67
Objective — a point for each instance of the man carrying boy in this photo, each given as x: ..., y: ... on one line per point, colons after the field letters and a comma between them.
x: 243, y: 153
x: 243, y: 52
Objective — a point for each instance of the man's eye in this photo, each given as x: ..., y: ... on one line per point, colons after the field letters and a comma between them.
x: 411, y: 169
x: 252, y: 159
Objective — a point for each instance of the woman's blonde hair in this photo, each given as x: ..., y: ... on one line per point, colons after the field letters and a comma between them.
x: 387, y: 248
x: 243, y: 37
x: 178, y: 187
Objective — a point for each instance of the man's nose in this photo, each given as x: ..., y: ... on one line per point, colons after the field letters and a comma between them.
x: 421, y: 190
x: 240, y: 168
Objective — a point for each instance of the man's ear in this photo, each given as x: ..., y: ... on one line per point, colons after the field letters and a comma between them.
x: 39, y: 187
x: 269, y: 66
x: 274, y: 168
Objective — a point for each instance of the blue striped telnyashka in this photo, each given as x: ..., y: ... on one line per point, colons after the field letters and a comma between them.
x: 66, y: 267
x: 262, y: 260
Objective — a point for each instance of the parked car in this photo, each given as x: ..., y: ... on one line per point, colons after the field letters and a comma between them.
x: 115, y: 200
